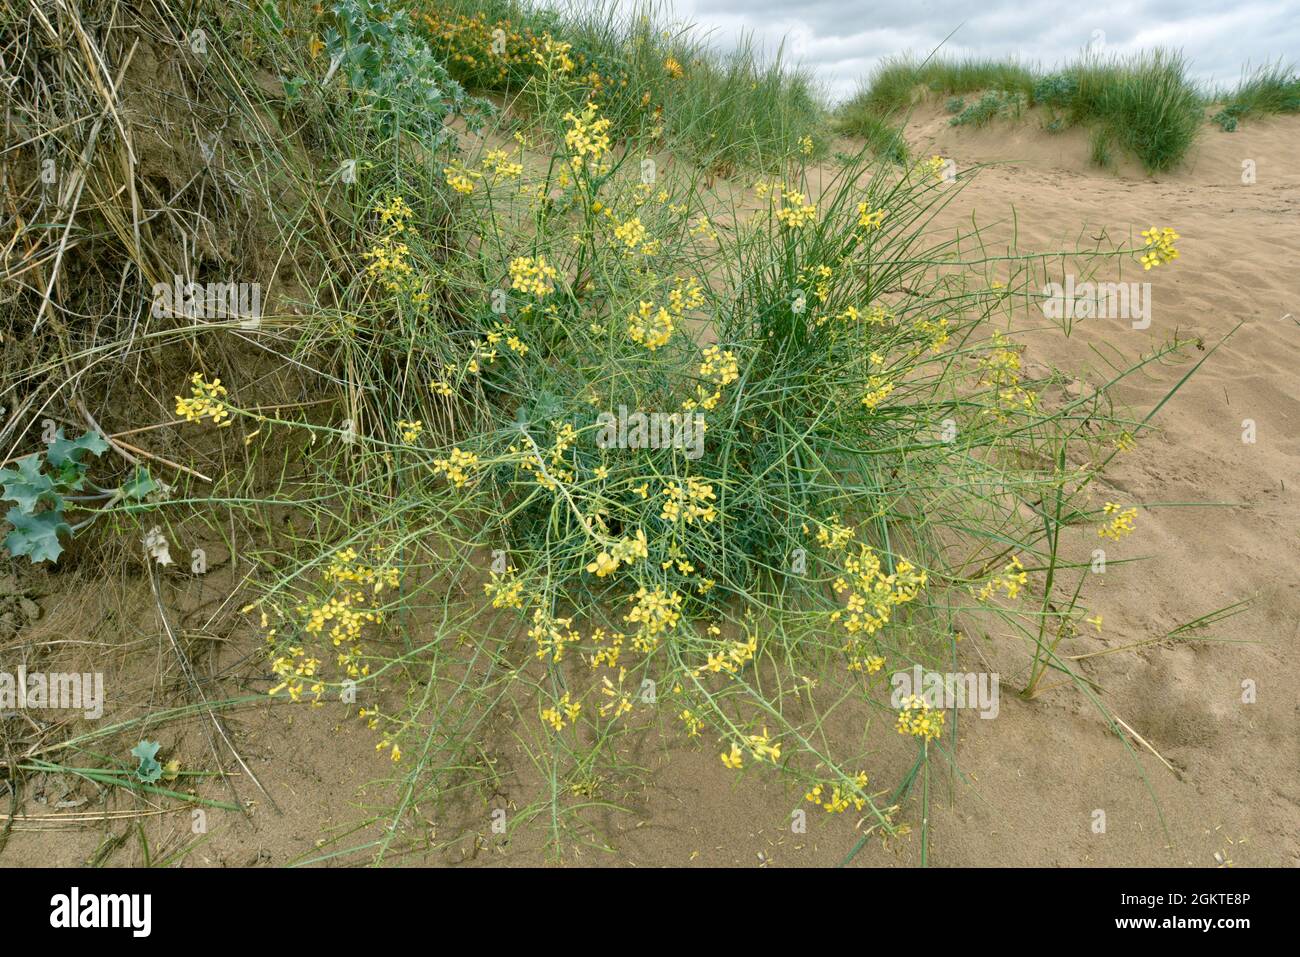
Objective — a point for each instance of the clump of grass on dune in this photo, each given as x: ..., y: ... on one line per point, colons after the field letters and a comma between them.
x: 738, y: 107
x: 1144, y: 103
x: 883, y: 136
x: 1270, y: 90
x: 893, y: 86
x: 878, y: 110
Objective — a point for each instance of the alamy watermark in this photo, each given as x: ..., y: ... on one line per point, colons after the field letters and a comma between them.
x: 653, y: 430
x: 1098, y: 300
x: 69, y: 691
x: 212, y: 300
x: 977, y: 690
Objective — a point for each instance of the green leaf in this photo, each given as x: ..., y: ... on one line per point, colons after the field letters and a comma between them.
x: 63, y: 451
x: 139, y: 485
x: 28, y: 484
x: 36, y: 536
x: 146, y: 752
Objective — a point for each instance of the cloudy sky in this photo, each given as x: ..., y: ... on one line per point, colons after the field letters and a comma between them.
x: 841, y: 40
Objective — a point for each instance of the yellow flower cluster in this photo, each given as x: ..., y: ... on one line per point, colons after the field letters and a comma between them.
x: 297, y: 673
x: 389, y: 256
x: 762, y: 747
x: 673, y: 68
x: 619, y: 702
x: 340, y: 615
x: 552, y: 635
x: 649, y: 326
x: 691, y: 503
x: 719, y: 368
x: 500, y: 167
x: 866, y: 664
x: 625, y: 552
x: 656, y: 612
x: 934, y: 166
x: 703, y: 228
x: 1013, y: 578
x: 505, y: 590
x: 839, y: 800
x: 461, y: 180
x: 1120, y: 524
x: 795, y: 211
x: 207, y: 400
x: 345, y: 567
x: 532, y: 275
x: 869, y: 218
x: 1002, y: 368
x: 693, y: 724
x: 918, y: 719
x: 872, y: 595
x: 936, y: 329
x: 409, y: 431
x: 1159, y: 247
x: 631, y: 234
x: 587, y: 136
x: 553, y: 55
x: 834, y: 535
x: 609, y: 654
x: 457, y: 467
x: 564, y: 708
x: 730, y: 658
x: 878, y: 389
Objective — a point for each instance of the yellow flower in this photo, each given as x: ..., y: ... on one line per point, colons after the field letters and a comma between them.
x: 650, y: 327
x: 498, y: 164
x: 604, y: 565
x: 456, y: 467
x: 693, y: 724
x: 868, y: 218
x: 762, y: 746
x: 587, y: 137
x: 918, y: 719
x: 1159, y: 246
x: 733, y: 759
x: 631, y: 233
x: 532, y: 275
x: 691, y: 503
x: 796, y: 212
x: 1013, y: 578
x: 207, y: 400
x: 410, y: 431
x: 461, y: 180
x: 673, y: 68
x: 1121, y: 523
x: 878, y: 389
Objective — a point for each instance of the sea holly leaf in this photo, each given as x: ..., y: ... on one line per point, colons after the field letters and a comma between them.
x: 27, y: 484
x: 139, y: 485
x: 62, y: 451
x: 149, y: 770
x: 36, y: 536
